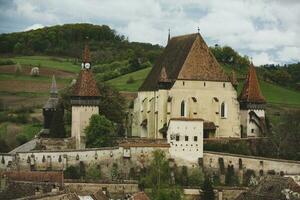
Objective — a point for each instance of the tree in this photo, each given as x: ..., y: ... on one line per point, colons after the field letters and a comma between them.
x: 100, y: 132
x: 93, y: 172
x: 196, y: 177
x: 286, y: 136
x: 208, y: 191
x: 57, y: 126
x: 72, y: 172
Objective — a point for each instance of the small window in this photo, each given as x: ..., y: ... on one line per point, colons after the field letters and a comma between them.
x: 223, y: 110
x: 182, y: 109
x: 204, y: 84
x: 183, y: 83
x: 195, y: 138
x: 186, y: 138
x: 177, y: 137
x: 224, y: 85
x: 252, y: 130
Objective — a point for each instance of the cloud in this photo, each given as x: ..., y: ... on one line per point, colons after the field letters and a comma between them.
x: 268, y: 30
x: 289, y: 54
x: 34, y: 27
x: 262, y: 58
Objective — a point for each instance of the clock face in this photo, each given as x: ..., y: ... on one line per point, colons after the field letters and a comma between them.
x: 87, y: 65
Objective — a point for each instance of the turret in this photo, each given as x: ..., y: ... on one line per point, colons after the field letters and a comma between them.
x: 84, y: 100
x: 50, y: 107
x: 252, y: 106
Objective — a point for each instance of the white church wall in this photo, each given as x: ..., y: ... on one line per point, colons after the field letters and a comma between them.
x: 205, y: 92
x: 6, y: 160
x: 186, y: 141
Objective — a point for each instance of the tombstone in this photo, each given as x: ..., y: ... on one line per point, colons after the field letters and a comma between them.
x: 35, y: 71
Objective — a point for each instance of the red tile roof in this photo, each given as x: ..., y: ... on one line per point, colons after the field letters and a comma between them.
x: 251, y: 91
x: 140, y: 196
x: 185, y: 57
x: 86, y: 85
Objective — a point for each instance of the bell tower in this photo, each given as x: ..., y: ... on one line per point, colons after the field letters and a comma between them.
x: 84, y: 100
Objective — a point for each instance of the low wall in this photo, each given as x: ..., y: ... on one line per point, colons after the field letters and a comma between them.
x: 112, y: 188
x: 6, y: 160
x: 257, y: 164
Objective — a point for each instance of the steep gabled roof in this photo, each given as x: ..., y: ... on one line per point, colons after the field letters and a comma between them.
x: 185, y: 57
x: 86, y: 85
x: 251, y: 91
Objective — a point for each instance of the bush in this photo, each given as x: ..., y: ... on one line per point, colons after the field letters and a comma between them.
x: 93, y: 172
x: 21, y: 139
x: 196, y: 177
x: 72, y: 172
x: 7, y: 62
x: 130, y: 80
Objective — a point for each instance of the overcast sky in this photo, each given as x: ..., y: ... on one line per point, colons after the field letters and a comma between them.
x: 268, y: 31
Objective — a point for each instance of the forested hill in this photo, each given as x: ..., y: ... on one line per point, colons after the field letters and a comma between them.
x: 67, y: 40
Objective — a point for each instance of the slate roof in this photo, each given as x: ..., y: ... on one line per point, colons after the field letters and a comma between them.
x: 251, y: 91
x: 86, y: 85
x: 185, y: 57
x: 53, y: 99
x: 270, y: 188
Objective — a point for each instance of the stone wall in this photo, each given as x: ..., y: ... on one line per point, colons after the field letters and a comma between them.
x: 125, y: 157
x: 6, y: 160
x: 260, y: 165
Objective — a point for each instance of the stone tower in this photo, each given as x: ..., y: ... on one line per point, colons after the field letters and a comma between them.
x: 252, y: 107
x: 50, y: 107
x: 84, y: 100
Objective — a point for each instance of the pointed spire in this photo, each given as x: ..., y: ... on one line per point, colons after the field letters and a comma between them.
x: 53, y: 90
x: 251, y: 91
x: 86, y: 54
x: 169, y: 37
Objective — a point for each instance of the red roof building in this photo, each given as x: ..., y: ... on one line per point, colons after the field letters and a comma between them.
x: 251, y: 93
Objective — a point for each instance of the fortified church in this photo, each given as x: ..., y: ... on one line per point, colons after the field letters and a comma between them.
x: 186, y: 97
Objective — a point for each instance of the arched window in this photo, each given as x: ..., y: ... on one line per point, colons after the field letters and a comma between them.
x: 223, y: 110
x: 182, y: 109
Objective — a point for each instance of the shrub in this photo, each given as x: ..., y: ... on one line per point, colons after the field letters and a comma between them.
x: 93, y: 172
x: 7, y: 62
x: 196, y: 177
x: 21, y: 139
x: 130, y: 80
x: 72, y: 172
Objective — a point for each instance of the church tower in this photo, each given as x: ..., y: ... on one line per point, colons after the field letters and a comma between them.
x: 84, y: 100
x: 50, y: 107
x: 252, y: 107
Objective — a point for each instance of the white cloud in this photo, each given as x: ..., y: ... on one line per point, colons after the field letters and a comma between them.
x: 289, y: 54
x: 267, y: 27
x: 262, y: 58
x: 34, y: 27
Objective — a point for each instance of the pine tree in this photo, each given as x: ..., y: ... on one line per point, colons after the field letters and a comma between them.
x: 208, y: 191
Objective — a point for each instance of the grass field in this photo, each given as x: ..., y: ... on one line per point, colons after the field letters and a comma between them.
x: 47, y: 61
x: 121, y: 84
x: 274, y: 94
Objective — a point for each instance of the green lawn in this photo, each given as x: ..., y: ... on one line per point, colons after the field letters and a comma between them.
x: 121, y: 84
x: 63, y: 64
x: 4, y: 77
